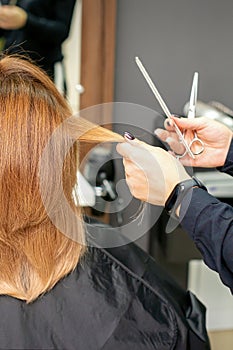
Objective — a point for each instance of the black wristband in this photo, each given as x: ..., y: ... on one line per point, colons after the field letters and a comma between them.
x: 178, y: 193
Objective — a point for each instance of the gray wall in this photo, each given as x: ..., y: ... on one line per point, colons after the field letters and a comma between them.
x: 175, y: 38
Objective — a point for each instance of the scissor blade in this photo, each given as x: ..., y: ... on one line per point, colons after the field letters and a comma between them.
x: 162, y: 104
x: 153, y: 87
x: 193, y: 97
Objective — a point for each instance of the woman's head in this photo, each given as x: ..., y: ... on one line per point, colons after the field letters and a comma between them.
x: 30, y: 110
x: 34, y: 254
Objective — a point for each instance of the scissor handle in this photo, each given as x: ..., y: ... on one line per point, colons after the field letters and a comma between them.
x: 199, y: 143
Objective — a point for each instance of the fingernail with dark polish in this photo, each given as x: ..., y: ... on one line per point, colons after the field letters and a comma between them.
x: 128, y: 135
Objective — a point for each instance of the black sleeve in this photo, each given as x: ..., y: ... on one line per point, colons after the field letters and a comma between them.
x: 228, y: 166
x: 52, y: 30
x: 209, y: 223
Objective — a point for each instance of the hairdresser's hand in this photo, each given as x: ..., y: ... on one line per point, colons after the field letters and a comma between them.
x: 151, y: 172
x: 216, y: 137
x: 12, y: 17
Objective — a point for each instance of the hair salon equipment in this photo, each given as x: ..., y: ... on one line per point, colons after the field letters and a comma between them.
x: 221, y: 107
x: 99, y: 172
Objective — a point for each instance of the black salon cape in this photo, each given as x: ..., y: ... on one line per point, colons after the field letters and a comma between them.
x: 209, y: 222
x: 116, y: 299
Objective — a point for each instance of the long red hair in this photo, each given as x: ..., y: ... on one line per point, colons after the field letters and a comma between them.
x: 34, y: 254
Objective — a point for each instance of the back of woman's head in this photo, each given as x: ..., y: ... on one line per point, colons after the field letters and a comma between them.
x: 34, y: 254
x: 30, y: 109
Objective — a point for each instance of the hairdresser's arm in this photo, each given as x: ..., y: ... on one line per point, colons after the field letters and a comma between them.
x: 213, y: 237
x: 228, y: 166
x: 209, y: 223
x: 152, y: 173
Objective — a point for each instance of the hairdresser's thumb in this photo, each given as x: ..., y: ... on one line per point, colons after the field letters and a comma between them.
x: 130, y: 148
x: 130, y: 138
x: 125, y: 149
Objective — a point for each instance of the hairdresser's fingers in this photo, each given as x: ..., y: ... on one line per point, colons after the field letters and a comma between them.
x: 185, y: 123
x: 176, y: 146
x: 131, y: 167
x: 169, y: 124
x: 139, y: 152
x: 125, y: 149
x: 137, y: 158
x: 131, y: 148
x: 172, y: 139
x: 137, y: 180
x: 128, y: 165
x: 190, y: 123
x: 162, y: 134
x: 131, y: 170
x: 135, y: 153
x: 130, y: 138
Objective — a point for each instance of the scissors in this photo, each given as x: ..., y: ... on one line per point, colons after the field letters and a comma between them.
x: 168, y: 114
x: 196, y: 141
